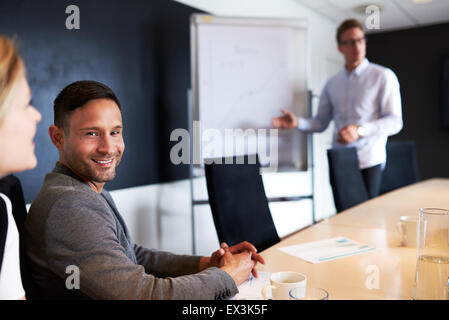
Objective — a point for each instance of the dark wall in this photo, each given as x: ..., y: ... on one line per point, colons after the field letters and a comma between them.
x: 140, y: 48
x: 415, y: 55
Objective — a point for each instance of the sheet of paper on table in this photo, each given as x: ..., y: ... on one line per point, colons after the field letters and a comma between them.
x: 252, y: 289
x: 327, y: 250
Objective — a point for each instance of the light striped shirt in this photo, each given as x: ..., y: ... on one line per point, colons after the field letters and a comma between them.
x: 369, y: 96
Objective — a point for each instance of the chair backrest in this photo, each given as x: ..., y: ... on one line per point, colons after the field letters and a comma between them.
x: 346, y: 178
x: 12, y: 188
x: 238, y: 202
x: 402, y: 166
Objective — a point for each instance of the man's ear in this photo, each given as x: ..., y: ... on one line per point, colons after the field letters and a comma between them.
x: 340, y: 49
x: 57, y: 136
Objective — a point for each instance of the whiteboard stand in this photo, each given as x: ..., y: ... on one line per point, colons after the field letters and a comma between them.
x: 262, y: 67
x: 191, y: 167
x: 311, y: 95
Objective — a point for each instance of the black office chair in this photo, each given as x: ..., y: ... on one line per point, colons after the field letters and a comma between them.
x: 12, y: 188
x: 346, y: 178
x: 402, y: 166
x: 239, y: 204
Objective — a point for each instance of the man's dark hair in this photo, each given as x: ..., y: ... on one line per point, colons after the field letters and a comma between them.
x: 76, y: 95
x: 346, y: 25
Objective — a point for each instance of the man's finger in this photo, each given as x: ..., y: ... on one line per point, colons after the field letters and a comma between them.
x: 225, y: 247
x: 245, y: 245
x: 254, y: 272
x: 288, y: 115
x: 257, y: 257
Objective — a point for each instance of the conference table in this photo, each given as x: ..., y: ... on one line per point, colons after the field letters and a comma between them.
x: 385, y: 273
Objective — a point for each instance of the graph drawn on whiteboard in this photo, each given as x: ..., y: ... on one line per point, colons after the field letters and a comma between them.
x: 247, y: 70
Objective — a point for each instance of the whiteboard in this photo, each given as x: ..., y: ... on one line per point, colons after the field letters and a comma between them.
x: 244, y: 71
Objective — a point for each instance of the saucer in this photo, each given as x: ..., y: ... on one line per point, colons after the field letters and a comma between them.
x: 311, y: 294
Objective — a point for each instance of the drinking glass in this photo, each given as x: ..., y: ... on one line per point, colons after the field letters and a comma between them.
x: 432, y: 266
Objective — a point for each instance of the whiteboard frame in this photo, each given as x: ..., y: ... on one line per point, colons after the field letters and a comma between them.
x: 202, y: 19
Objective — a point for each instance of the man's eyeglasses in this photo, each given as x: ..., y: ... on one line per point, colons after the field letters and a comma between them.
x: 352, y: 42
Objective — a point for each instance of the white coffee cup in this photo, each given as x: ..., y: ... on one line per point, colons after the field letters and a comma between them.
x: 408, y: 229
x: 282, y: 282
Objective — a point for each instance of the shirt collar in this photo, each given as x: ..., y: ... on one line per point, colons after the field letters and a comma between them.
x: 61, y: 168
x: 360, y: 68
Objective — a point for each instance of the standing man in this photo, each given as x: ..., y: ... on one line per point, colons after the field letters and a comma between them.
x: 363, y: 100
x: 73, y: 223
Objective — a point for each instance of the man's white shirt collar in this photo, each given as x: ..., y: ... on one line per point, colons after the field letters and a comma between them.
x: 359, y: 69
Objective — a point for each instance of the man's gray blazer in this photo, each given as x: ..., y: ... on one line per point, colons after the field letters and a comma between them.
x: 69, y: 224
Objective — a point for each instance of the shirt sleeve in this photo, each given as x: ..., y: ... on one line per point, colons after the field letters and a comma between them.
x: 81, y: 234
x: 166, y: 264
x: 390, y: 111
x: 321, y: 121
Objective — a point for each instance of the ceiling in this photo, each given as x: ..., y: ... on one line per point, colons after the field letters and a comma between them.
x: 394, y: 14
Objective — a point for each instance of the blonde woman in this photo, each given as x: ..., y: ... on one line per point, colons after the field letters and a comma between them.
x: 18, y: 120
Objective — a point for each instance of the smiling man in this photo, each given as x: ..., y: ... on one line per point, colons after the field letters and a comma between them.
x: 74, y: 228
x: 90, y: 139
x: 364, y: 102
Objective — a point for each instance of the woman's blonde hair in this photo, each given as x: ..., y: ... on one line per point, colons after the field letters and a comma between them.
x: 10, y: 66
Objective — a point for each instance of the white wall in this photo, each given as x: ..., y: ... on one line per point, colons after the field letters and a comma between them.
x: 158, y: 216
